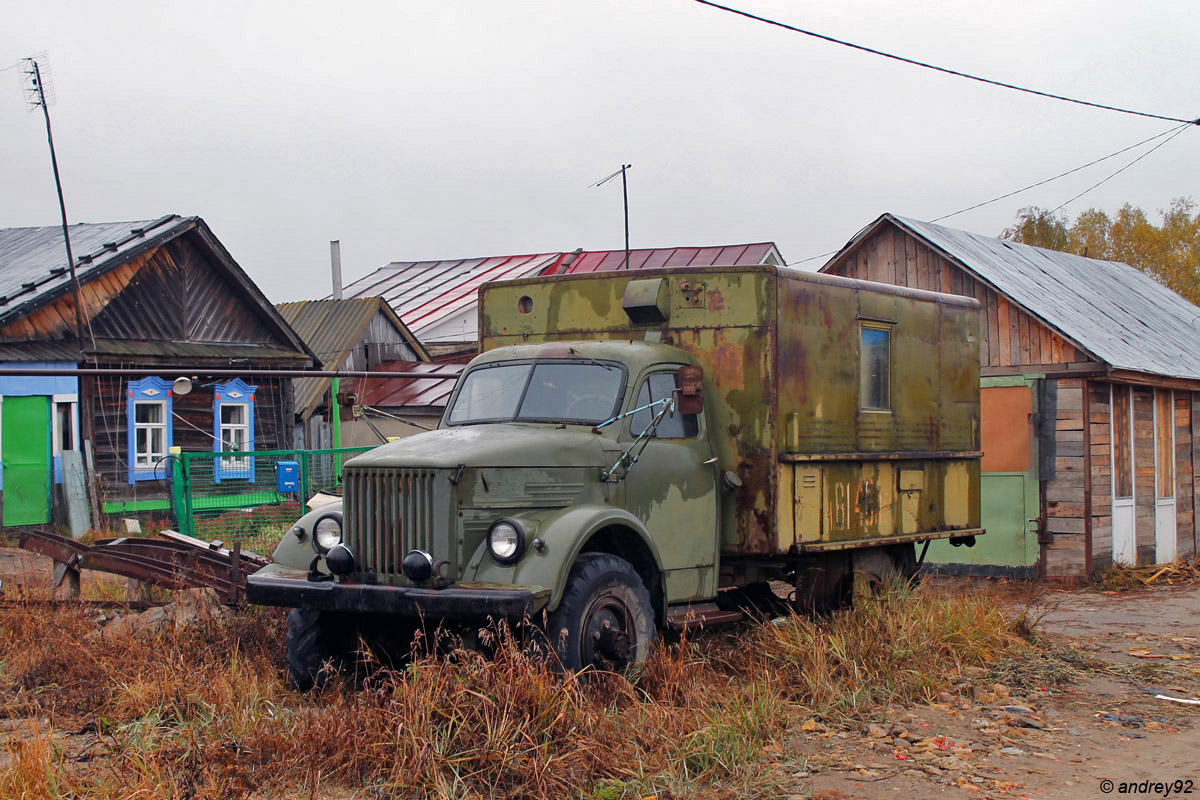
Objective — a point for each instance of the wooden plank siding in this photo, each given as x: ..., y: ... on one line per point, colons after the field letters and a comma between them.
x: 1185, y: 516
x: 1143, y: 473
x: 1065, y: 495
x: 1100, y: 443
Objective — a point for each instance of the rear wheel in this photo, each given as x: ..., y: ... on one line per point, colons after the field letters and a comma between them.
x: 605, y: 619
x: 315, y: 644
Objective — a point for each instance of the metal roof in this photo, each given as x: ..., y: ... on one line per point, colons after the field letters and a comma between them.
x: 131, y: 349
x: 33, y: 261
x: 332, y: 329
x: 1120, y: 315
x: 735, y: 255
x: 438, y: 299
x: 411, y: 393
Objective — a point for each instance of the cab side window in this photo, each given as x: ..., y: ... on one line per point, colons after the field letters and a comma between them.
x: 659, y: 386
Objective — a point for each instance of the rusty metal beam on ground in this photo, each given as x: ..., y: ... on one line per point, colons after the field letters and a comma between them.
x: 174, y: 562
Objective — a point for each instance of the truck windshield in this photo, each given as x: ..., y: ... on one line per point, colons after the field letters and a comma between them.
x: 557, y: 391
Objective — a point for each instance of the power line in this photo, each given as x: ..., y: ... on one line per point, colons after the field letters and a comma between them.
x: 944, y: 70
x: 1171, y: 134
x: 1115, y: 174
x: 1175, y: 131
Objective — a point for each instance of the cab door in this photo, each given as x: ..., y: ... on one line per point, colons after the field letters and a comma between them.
x: 672, y: 488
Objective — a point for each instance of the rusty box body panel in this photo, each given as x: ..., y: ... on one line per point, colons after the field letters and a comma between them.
x: 780, y: 350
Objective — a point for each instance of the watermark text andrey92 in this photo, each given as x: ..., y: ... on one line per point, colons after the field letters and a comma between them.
x: 1180, y: 786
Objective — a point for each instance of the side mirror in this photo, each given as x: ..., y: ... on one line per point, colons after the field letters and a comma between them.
x: 691, y: 390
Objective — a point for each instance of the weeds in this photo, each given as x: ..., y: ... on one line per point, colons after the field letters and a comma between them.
x: 202, y: 712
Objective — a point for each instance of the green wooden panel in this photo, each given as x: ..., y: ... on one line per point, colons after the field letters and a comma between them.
x: 1006, y: 510
x: 25, y: 427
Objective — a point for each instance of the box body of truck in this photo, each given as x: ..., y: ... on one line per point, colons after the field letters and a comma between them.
x: 829, y: 454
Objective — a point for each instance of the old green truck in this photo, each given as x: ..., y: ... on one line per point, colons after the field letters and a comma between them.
x: 631, y: 449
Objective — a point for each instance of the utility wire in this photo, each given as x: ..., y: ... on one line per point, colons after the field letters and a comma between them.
x: 1171, y: 134
x: 1115, y: 174
x: 1175, y: 131
x: 945, y: 70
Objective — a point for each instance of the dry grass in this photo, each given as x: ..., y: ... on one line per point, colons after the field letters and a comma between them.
x: 203, y: 712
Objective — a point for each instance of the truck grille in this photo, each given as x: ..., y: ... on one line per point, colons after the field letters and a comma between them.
x: 388, y: 514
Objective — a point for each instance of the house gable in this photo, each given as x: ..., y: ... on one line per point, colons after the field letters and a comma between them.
x: 184, y: 289
x: 1010, y: 335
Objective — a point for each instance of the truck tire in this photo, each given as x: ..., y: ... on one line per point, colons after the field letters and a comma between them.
x: 312, y: 642
x: 605, y: 619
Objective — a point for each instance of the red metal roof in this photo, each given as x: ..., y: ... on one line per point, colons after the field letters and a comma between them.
x: 654, y: 258
x: 393, y: 393
x: 437, y: 299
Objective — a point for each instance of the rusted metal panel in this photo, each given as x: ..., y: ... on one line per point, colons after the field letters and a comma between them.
x: 178, y: 562
x: 781, y: 355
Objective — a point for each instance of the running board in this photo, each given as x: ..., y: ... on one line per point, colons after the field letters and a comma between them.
x: 699, y: 615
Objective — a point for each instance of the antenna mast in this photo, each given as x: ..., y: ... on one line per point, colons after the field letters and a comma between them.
x: 36, y: 96
x: 625, y: 198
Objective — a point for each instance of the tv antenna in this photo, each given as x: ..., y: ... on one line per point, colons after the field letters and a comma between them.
x: 39, y: 93
x: 625, y: 198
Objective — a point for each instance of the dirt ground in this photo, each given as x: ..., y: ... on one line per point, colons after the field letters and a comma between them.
x: 1026, y: 738
x: 1048, y: 742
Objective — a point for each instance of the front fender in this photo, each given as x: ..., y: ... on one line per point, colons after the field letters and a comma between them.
x: 297, y: 552
x: 564, y: 532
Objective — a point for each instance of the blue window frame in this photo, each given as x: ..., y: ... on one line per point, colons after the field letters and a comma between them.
x: 233, y: 430
x: 148, y: 415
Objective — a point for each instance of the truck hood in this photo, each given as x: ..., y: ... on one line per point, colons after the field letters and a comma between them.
x: 490, y: 445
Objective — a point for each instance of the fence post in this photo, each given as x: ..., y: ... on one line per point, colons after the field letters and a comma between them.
x: 305, y: 489
x: 187, y: 522
x: 177, y: 489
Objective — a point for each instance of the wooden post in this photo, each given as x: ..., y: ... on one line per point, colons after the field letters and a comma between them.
x: 66, y: 580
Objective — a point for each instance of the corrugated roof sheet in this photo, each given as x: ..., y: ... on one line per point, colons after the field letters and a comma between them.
x: 422, y: 393
x: 735, y: 255
x: 427, y: 294
x: 1120, y: 315
x: 331, y: 329
x: 33, y: 261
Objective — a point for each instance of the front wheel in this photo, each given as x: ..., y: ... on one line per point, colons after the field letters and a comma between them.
x: 605, y: 619
x: 313, y: 642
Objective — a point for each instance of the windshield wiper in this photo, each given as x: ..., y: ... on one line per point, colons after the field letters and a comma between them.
x: 589, y: 359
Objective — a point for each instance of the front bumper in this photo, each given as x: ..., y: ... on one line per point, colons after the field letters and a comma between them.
x: 280, y: 586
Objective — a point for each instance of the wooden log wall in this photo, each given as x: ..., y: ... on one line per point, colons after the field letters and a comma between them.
x: 273, y: 424
x: 1010, y: 337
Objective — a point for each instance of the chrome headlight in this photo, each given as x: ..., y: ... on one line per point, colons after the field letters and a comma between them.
x: 506, y: 541
x: 327, y: 532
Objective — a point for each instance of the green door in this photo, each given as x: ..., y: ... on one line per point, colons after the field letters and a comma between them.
x: 25, y: 427
x: 1009, y: 486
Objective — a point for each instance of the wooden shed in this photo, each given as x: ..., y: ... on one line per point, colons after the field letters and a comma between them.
x: 160, y: 300
x: 359, y: 334
x: 1091, y: 391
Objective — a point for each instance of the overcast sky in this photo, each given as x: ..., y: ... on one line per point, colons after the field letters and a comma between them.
x: 423, y: 130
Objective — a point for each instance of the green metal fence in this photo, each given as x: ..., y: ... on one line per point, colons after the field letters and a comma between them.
x: 245, y: 498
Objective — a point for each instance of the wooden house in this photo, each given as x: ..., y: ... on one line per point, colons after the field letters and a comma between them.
x: 361, y: 334
x: 159, y: 300
x: 1091, y: 396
